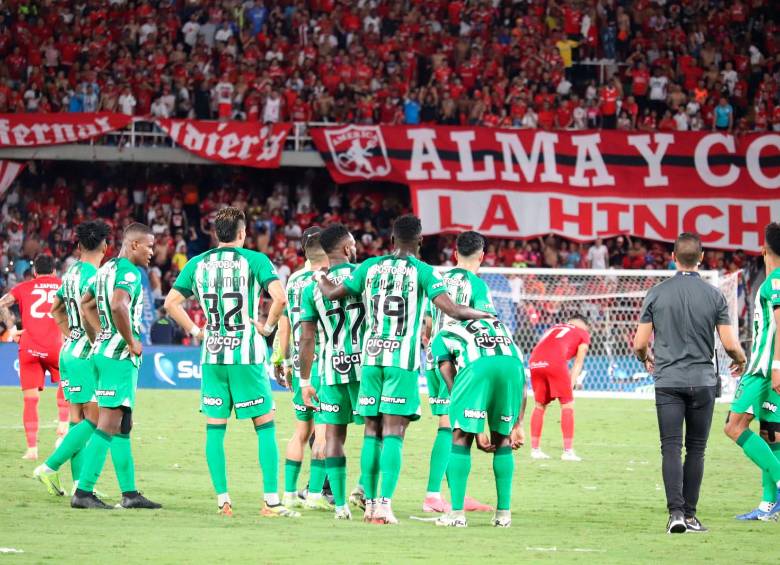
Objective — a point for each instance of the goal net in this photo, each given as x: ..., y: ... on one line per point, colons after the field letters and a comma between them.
x: 529, y: 301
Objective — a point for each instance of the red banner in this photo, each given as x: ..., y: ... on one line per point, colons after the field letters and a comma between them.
x: 250, y: 144
x: 582, y: 185
x: 29, y: 130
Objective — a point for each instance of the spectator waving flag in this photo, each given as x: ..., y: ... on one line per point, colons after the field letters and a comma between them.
x: 9, y: 170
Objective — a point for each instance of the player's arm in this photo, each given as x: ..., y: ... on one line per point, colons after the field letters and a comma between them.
x: 89, y: 312
x: 60, y: 316
x: 427, y: 328
x: 278, y: 304
x: 642, y: 345
x: 174, y: 305
x: 731, y: 345
x: 517, y: 436
x: 6, y: 302
x: 448, y: 372
x: 457, y: 311
x: 579, y: 362
x: 776, y: 356
x: 332, y: 291
x: 306, y: 353
x: 120, y: 313
x: 280, y: 357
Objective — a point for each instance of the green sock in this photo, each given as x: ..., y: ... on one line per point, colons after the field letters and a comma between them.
x: 73, y: 442
x: 440, y: 456
x: 369, y: 465
x: 337, y: 471
x: 317, y: 477
x: 292, y: 469
x: 503, y: 471
x: 268, y: 454
x: 215, y: 456
x: 122, y: 456
x: 390, y: 464
x: 94, y: 458
x: 769, y: 491
x: 758, y: 451
x: 458, y: 474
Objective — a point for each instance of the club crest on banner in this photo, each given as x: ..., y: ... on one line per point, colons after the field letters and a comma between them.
x: 358, y: 151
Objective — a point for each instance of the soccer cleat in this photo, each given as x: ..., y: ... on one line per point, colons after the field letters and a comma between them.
x: 474, y: 505
x: 501, y: 519
x: 452, y: 519
x: 50, y: 479
x: 538, y: 454
x: 676, y: 523
x: 370, y: 510
x: 752, y: 515
x: 569, y: 455
x: 343, y: 513
x: 225, y: 510
x: 31, y: 454
x: 436, y: 504
x: 357, y: 497
x: 88, y: 500
x: 317, y: 503
x: 139, y: 502
x: 775, y: 512
x: 384, y: 515
x: 278, y: 511
x: 694, y: 526
x: 291, y: 500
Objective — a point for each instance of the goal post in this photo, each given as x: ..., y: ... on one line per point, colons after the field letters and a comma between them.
x: 529, y: 301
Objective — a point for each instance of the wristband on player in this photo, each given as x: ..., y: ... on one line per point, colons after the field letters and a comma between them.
x: 303, y: 383
x: 776, y: 365
x: 195, y: 331
x: 268, y: 328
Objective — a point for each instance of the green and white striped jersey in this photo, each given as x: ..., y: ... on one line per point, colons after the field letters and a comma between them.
x: 465, y: 342
x: 394, y: 290
x: 762, y: 351
x: 117, y: 273
x: 296, y: 284
x: 342, y: 323
x: 75, y: 282
x: 227, y: 283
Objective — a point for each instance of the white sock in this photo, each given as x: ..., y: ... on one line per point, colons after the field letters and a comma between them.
x: 222, y: 499
x: 47, y: 469
x: 314, y: 496
x: 271, y: 499
x: 291, y: 494
x: 459, y: 513
x: 341, y: 508
x: 766, y: 506
x: 385, y: 502
x: 503, y: 513
x: 436, y: 495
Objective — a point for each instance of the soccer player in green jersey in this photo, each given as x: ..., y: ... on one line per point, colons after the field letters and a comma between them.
x: 342, y: 323
x: 306, y: 420
x: 488, y: 387
x: 464, y: 287
x: 76, y: 368
x: 394, y: 289
x: 762, y: 376
x: 113, y: 302
x: 227, y: 282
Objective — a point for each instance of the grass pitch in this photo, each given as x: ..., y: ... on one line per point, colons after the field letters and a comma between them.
x: 608, y: 509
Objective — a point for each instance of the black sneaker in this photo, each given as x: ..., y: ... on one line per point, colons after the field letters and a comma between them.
x: 676, y: 524
x: 83, y: 499
x: 138, y: 501
x: 693, y: 525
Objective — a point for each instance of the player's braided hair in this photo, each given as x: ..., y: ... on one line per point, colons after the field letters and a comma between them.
x: 91, y: 234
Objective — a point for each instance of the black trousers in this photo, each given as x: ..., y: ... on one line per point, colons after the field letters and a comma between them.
x: 690, y: 408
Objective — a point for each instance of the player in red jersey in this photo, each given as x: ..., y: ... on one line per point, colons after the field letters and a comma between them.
x: 39, y: 346
x: 551, y: 379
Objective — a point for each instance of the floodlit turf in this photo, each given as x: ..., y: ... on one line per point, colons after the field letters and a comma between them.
x: 609, y: 508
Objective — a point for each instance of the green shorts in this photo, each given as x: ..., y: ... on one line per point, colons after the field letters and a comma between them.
x: 438, y: 395
x: 339, y: 404
x: 302, y: 412
x: 117, y: 380
x: 489, y: 389
x: 389, y: 390
x: 78, y: 378
x: 770, y: 408
x: 751, y: 395
x: 243, y: 387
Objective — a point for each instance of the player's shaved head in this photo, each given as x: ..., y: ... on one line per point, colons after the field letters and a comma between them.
x: 407, y: 229
x: 772, y: 238
x: 334, y: 236
x: 470, y: 243
x: 687, y: 250
x: 227, y: 223
x: 91, y: 235
x: 136, y: 230
x: 43, y: 264
x: 313, y: 249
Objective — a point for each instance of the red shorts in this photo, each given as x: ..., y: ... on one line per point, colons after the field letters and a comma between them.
x: 551, y: 382
x: 34, y: 361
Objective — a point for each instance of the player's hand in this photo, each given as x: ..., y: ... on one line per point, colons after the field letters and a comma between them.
x: 279, y: 375
x: 483, y: 443
x: 261, y: 328
x: 135, y: 347
x: 776, y: 380
x: 16, y: 335
x: 517, y: 437
x: 737, y: 368
x: 308, y: 393
x: 650, y: 363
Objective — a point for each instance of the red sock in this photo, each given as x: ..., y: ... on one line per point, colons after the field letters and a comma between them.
x: 567, y: 427
x: 63, y: 407
x: 537, y: 421
x: 30, y: 419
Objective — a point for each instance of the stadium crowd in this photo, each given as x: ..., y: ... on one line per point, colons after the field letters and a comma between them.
x: 649, y: 65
